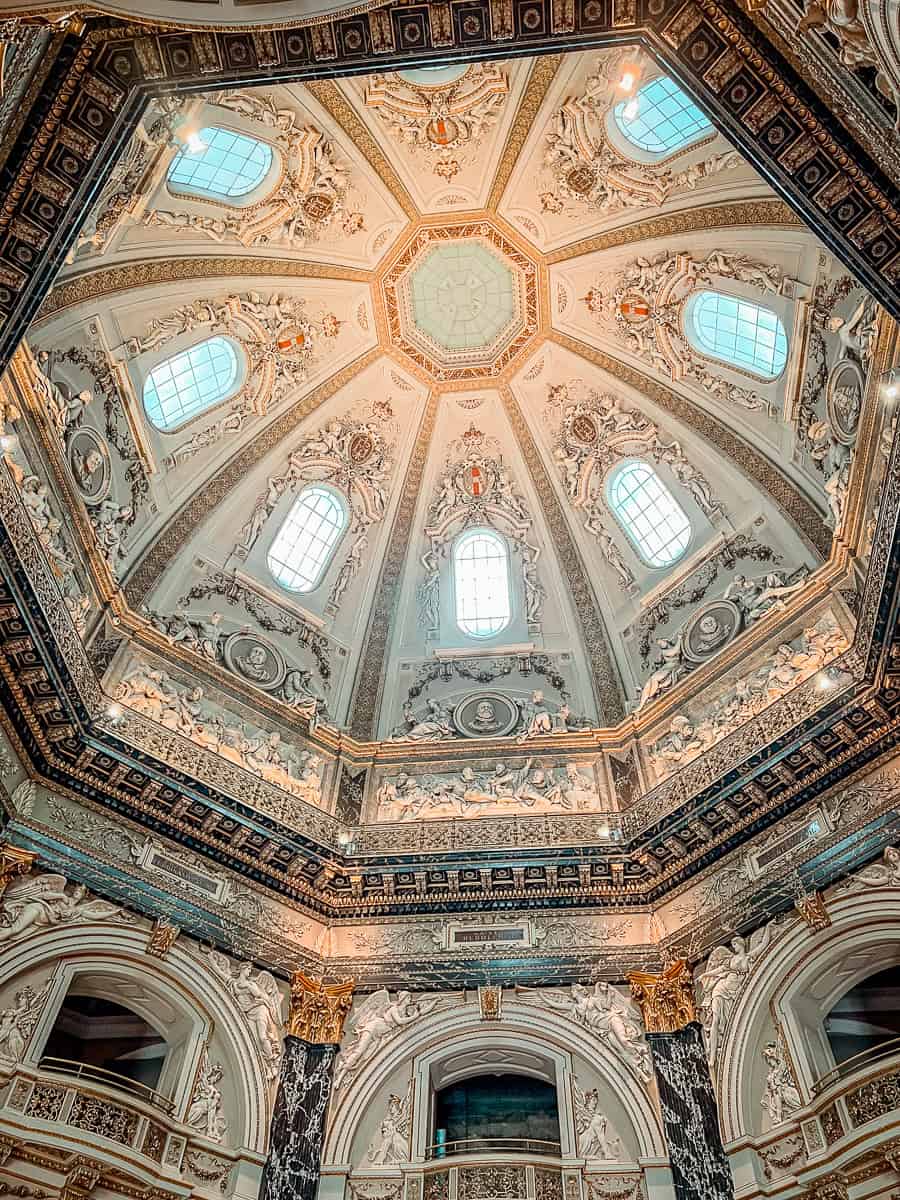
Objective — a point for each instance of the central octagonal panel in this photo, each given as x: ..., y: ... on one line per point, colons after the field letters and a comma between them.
x: 461, y: 301
x: 462, y: 296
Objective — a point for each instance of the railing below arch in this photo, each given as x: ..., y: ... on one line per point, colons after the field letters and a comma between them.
x: 122, y: 1083
x: 859, y: 1062
x: 439, y: 1150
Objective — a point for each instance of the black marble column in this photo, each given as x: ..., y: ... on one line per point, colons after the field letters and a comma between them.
x: 700, y: 1167
x: 298, y: 1121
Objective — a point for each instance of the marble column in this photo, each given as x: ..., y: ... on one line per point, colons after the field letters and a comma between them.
x: 311, y: 1044
x: 700, y: 1167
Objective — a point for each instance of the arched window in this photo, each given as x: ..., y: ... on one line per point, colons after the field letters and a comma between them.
x: 220, y: 163
x: 481, y: 583
x: 739, y: 332
x: 649, y: 514
x: 190, y: 382
x: 303, y: 546
x: 660, y: 118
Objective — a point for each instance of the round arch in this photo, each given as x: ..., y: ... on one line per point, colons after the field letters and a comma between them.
x: 444, y: 1033
x: 796, y: 984
x: 183, y: 983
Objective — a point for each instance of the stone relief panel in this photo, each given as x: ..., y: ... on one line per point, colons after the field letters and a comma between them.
x: 743, y: 695
x: 186, y: 711
x: 490, y: 788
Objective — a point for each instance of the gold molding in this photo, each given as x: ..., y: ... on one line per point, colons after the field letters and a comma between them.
x: 329, y: 96
x: 105, y: 281
x: 714, y: 216
x: 14, y: 862
x: 537, y: 86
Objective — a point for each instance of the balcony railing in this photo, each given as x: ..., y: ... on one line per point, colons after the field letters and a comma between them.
x: 850, y: 1066
x: 492, y: 1146
x: 122, y: 1083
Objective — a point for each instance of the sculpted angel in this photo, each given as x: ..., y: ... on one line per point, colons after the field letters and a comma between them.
x: 595, y: 1138
x: 260, y: 1001
x: 377, y: 1019
x: 391, y: 1143
x: 30, y: 903
x: 721, y: 982
x: 610, y: 1017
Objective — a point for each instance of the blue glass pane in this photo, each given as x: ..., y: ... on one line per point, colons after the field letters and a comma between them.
x: 481, y: 583
x: 224, y: 164
x: 649, y: 514
x: 303, y: 545
x: 190, y: 382
x: 660, y: 118
x: 739, y: 332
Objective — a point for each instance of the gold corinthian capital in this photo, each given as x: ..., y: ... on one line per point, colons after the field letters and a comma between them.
x: 318, y: 1009
x: 666, y: 1001
x: 13, y: 862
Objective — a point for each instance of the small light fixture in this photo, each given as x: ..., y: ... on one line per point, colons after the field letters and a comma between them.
x: 8, y: 442
x: 630, y: 76
x: 344, y: 838
x: 114, y: 712
x: 827, y: 679
x: 891, y: 383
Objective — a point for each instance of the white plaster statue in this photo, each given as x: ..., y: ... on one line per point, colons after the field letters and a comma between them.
x: 780, y: 1099
x: 670, y: 666
x: 538, y: 719
x: 205, y: 1110
x: 261, y: 1003
x: 857, y: 333
x: 391, y: 1143
x: 17, y: 1024
x: 722, y: 979
x: 374, y: 1023
x: 595, y: 1138
x: 534, y: 591
x: 429, y: 593
x: 111, y: 520
x: 432, y: 728
x: 34, y: 902
x: 65, y: 408
x: 349, y: 567
x: 883, y: 874
x: 608, y: 548
x: 835, y: 459
x: 610, y: 1017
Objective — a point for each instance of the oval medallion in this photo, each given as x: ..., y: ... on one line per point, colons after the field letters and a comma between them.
x: 89, y: 463
x: 361, y: 448
x: 318, y: 206
x: 843, y: 400
x: 254, y: 660
x: 710, y: 629
x: 485, y: 714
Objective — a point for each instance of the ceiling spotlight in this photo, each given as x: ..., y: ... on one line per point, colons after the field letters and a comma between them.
x: 891, y: 382
x: 114, y: 712
x: 827, y: 680
x: 8, y: 442
x: 628, y: 80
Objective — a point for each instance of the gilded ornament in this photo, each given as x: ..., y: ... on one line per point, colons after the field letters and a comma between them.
x: 813, y: 910
x: 666, y: 1001
x: 14, y: 862
x: 318, y: 1010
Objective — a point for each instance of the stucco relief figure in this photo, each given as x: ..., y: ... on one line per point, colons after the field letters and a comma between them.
x: 429, y: 592
x: 610, y: 1017
x: 432, y: 728
x: 595, y: 1138
x: 205, y: 1110
x: 35, y: 902
x: 391, y: 1143
x: 64, y: 407
x: 834, y: 459
x: 261, y: 1003
x: 17, y: 1024
x: 349, y: 567
x: 722, y: 981
x: 843, y: 20
x: 883, y: 874
x: 857, y: 333
x: 780, y: 1099
x: 111, y: 521
x: 376, y: 1021
x: 669, y: 667
x: 539, y: 720
x: 596, y: 526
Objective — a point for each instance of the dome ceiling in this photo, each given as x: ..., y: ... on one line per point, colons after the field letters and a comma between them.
x: 460, y: 302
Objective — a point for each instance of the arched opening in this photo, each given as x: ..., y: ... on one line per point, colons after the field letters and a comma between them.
x: 191, y: 382
x: 481, y: 583
x: 307, y: 539
x: 498, y: 1112
x: 660, y: 118
x: 649, y: 514
x: 866, y: 1018
x: 741, y: 333
x: 99, y: 1038
x: 220, y: 164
